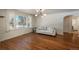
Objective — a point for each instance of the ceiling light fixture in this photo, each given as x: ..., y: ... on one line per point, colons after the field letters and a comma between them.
x: 40, y: 12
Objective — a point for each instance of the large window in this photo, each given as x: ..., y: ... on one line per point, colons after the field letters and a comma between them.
x: 19, y: 22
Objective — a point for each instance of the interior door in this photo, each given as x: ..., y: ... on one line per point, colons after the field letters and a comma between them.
x: 2, y: 26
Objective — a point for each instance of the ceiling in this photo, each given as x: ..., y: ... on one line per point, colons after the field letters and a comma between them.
x: 47, y: 11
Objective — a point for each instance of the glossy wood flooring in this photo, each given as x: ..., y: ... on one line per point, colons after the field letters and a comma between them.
x: 33, y: 41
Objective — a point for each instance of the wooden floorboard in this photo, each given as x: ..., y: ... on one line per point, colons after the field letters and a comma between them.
x: 34, y: 41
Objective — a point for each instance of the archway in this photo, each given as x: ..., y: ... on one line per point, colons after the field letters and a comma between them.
x: 71, y: 27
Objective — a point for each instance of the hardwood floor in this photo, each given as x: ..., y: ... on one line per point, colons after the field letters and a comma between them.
x: 33, y: 41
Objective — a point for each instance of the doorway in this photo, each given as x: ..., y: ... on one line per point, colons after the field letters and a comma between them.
x: 71, y: 27
x: 71, y: 24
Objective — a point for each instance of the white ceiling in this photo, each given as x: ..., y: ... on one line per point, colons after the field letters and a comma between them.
x: 47, y: 11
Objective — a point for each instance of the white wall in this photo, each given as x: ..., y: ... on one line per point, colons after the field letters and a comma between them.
x: 13, y: 33
x: 67, y: 24
x: 2, y: 22
x: 34, y: 21
x: 55, y: 20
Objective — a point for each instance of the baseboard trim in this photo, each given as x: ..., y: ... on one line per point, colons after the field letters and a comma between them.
x: 15, y: 37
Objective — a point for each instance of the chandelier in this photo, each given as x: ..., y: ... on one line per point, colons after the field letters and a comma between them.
x: 40, y: 12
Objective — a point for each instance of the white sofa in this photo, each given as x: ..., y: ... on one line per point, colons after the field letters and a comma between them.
x: 46, y: 30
